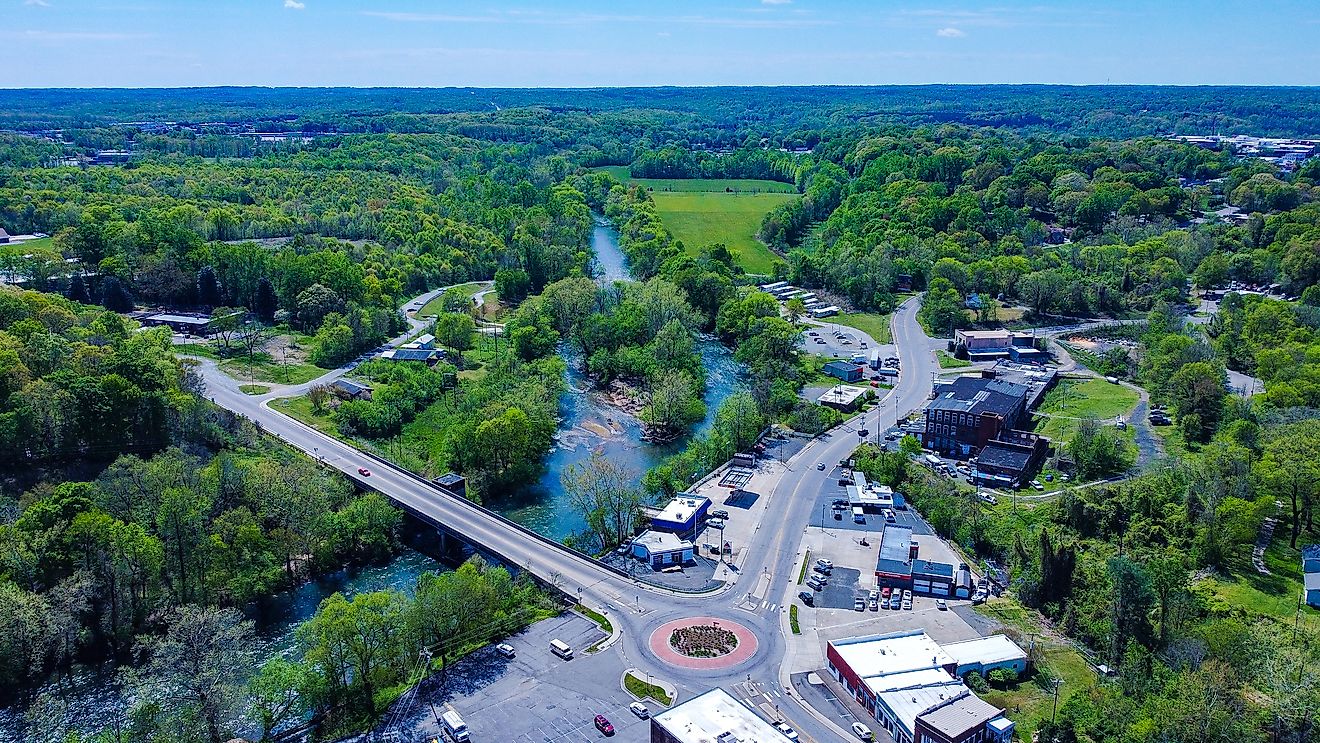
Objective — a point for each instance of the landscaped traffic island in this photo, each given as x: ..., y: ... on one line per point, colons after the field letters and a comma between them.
x: 705, y: 643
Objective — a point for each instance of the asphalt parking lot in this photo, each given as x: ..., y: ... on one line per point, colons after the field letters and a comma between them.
x: 822, y: 516
x: 840, y: 591
x: 534, y: 697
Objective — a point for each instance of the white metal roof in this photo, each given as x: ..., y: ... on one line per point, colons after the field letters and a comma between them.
x: 716, y: 716
x: 661, y: 541
x: 881, y: 655
x: 907, y: 704
x: 985, y: 651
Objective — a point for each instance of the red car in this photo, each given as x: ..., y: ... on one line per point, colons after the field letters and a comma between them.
x: 364, y: 472
x: 604, y: 725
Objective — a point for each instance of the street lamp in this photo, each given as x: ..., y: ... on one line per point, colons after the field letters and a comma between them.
x: 1057, y: 684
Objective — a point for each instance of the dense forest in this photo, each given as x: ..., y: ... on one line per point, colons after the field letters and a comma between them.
x: 138, y: 520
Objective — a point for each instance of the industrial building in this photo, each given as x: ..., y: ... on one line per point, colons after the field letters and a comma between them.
x: 985, y: 345
x: 909, y: 684
x: 971, y: 412
x: 712, y: 717
x: 1012, y: 461
x: 844, y: 371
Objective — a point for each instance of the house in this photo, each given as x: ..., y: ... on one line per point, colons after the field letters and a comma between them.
x: 844, y: 371
x: 843, y: 397
x: 4, y: 236
x: 347, y: 389
x: 661, y: 549
x: 908, y: 683
x: 1311, y: 574
x: 425, y: 340
x: 424, y: 355
x: 191, y: 323
x: 682, y: 515
x: 714, y: 716
x: 971, y: 412
x: 1012, y: 462
x: 828, y: 311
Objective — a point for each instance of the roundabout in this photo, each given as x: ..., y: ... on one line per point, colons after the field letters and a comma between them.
x: 703, y: 643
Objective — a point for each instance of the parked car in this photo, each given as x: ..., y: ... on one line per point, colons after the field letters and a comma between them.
x: 874, y: 603
x: 715, y: 523
x: 885, y: 591
x: 786, y: 731
x: 890, y: 516
x: 859, y: 604
x: 812, y: 332
x: 720, y: 514
x: 639, y: 709
x: 816, y: 583
x: 941, y: 604
x: 988, y: 498
x: 505, y: 649
x: 604, y: 725
x: 807, y: 597
x: 825, y: 563
x: 1035, y: 484
x: 907, y: 604
x: 862, y: 732
x: 823, y: 569
x: 364, y: 472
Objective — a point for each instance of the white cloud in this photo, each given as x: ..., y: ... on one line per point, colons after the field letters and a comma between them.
x: 75, y: 36
x: 294, y: 5
x: 950, y: 33
x: 776, y: 2
x: 38, y: 3
x: 663, y: 34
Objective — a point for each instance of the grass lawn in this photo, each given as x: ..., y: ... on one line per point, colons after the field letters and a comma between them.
x: 254, y: 389
x: 300, y: 408
x: 1091, y: 398
x: 950, y: 362
x: 642, y: 690
x: 700, y: 219
x: 265, y: 369
x: 436, y: 306
x: 1242, y: 589
x: 1026, y: 702
x: 871, y: 323
x: 793, y: 619
x: 46, y: 243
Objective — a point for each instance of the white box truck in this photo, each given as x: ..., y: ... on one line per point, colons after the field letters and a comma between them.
x: 454, y: 726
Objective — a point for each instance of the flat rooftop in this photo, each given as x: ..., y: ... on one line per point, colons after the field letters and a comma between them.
x: 842, y: 394
x: 682, y: 508
x: 896, y: 653
x: 661, y: 541
x: 716, y: 717
x: 985, y: 650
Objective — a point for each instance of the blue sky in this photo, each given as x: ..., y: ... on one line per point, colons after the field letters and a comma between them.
x: 149, y: 43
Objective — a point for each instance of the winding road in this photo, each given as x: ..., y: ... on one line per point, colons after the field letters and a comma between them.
x: 636, y: 609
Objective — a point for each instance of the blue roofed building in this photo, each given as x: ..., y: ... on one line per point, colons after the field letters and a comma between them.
x: 682, y: 515
x: 844, y: 371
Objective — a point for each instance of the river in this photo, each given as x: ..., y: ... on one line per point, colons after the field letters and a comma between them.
x: 588, y: 425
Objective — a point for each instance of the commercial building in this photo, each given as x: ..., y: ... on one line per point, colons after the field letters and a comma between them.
x: 660, y: 549
x: 909, y: 684
x: 985, y: 654
x: 971, y: 412
x: 194, y: 323
x: 893, y: 567
x: 1311, y: 574
x: 828, y: 311
x: 984, y: 345
x: 426, y: 340
x: 932, y: 578
x: 843, y: 397
x: 681, y: 515
x: 844, y: 371
x: 712, y: 717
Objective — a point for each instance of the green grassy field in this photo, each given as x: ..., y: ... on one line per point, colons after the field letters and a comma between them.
x: 41, y: 243
x: 300, y: 408
x: 1091, y: 398
x: 703, y: 218
x: 265, y: 369
x: 742, y: 185
x: 435, y: 306
x: 874, y: 325
x: 1242, y: 589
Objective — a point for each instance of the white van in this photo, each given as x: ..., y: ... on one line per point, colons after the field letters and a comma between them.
x: 455, y: 726
x: 561, y: 648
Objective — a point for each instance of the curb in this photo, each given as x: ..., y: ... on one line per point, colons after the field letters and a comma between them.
x: 615, y: 631
x: 665, y: 686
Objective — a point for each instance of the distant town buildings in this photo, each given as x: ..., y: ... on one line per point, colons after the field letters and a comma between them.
x: 1286, y: 153
x: 1311, y: 574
